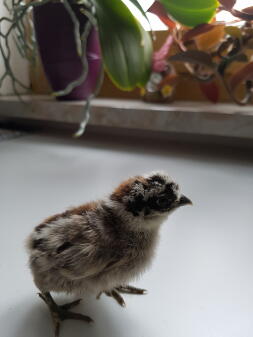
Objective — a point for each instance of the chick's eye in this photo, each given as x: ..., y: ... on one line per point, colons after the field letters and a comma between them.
x: 163, y: 202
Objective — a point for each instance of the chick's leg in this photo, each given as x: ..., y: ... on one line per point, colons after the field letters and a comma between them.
x: 61, y: 312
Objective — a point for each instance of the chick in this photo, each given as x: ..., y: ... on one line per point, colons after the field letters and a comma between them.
x: 100, y: 246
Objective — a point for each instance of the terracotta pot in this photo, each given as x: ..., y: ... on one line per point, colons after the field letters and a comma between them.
x: 54, y: 31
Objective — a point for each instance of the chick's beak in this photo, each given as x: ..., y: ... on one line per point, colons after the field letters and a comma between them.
x: 183, y: 201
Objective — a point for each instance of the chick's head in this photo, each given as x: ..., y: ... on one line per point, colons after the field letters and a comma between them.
x: 150, y: 195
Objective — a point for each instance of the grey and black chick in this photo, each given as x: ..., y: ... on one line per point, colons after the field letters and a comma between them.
x: 100, y: 246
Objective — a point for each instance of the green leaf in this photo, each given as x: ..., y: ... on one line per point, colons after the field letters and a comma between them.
x: 137, y: 5
x: 126, y: 46
x: 195, y: 57
x: 191, y: 13
x: 146, y: 66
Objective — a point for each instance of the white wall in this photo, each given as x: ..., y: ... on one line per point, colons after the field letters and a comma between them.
x: 19, y: 65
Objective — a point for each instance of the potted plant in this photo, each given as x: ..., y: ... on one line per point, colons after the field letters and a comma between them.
x: 74, y: 24
x: 217, y: 55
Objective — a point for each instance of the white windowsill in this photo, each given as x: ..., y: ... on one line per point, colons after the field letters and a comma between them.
x: 196, y: 118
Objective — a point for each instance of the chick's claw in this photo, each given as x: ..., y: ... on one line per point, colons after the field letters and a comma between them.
x: 114, y: 294
x: 61, y: 313
x: 131, y: 290
x: 118, y: 298
x: 126, y: 289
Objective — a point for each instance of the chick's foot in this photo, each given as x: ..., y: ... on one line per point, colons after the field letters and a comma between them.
x: 61, y: 313
x: 115, y: 293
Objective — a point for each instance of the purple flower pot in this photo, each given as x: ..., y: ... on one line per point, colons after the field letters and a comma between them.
x: 56, y: 42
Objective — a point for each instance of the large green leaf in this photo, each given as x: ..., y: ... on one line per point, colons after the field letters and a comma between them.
x: 126, y: 46
x: 191, y: 13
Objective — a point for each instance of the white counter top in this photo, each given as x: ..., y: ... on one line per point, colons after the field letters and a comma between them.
x: 200, y: 284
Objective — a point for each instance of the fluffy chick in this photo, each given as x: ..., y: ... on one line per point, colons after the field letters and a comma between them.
x: 100, y: 246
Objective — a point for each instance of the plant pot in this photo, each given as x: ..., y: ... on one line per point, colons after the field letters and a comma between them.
x: 54, y: 31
